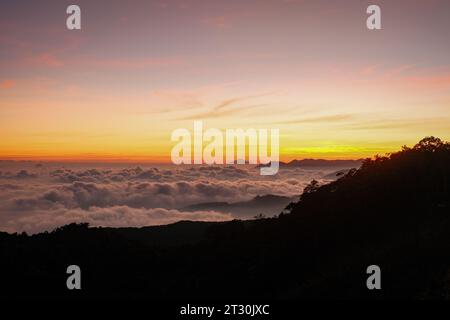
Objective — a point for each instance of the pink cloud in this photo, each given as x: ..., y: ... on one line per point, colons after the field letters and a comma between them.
x: 50, y: 60
x: 7, y: 84
x: 369, y: 70
x: 430, y: 81
x: 131, y: 63
x: 220, y: 22
x: 47, y: 60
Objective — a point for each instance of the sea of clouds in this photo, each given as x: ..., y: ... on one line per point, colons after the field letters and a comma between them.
x: 35, y: 197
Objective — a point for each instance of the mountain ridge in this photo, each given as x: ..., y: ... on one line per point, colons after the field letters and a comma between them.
x: 265, y: 204
x: 392, y: 212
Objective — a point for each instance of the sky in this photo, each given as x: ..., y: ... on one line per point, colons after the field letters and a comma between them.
x: 138, y: 70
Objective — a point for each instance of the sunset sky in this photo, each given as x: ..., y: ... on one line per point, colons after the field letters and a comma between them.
x: 138, y: 70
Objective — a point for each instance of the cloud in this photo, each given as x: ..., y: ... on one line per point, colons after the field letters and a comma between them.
x: 137, y: 194
x: 58, y: 58
x: 47, y: 60
x: 227, y: 106
x: 430, y: 81
x: 117, y: 216
x: 7, y: 84
x: 9, y: 186
x: 36, y: 198
x: 220, y: 22
x: 22, y: 174
x: 331, y: 118
x: 130, y: 63
x: 399, y: 124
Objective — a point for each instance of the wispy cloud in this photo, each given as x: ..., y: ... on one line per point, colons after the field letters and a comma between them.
x: 429, y: 81
x: 227, y: 107
x: 46, y: 60
x: 218, y: 22
x: 130, y: 63
x: 320, y: 119
x: 51, y: 60
x: 401, y: 124
x: 7, y: 84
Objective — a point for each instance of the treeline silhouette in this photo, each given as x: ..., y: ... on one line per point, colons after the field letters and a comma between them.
x: 392, y: 212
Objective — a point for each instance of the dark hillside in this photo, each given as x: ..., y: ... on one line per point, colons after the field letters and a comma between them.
x: 392, y: 212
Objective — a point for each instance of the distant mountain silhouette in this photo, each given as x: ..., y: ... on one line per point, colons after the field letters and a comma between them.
x: 306, y: 163
x: 266, y: 205
x: 336, y: 174
x: 324, y: 163
x: 392, y: 212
